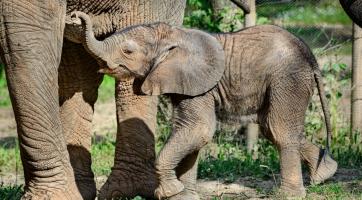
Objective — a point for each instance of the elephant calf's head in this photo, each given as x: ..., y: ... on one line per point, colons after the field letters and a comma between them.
x: 168, y: 59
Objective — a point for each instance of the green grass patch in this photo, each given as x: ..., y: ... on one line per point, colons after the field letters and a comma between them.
x: 103, y: 156
x: 334, y: 191
x: 106, y: 89
x: 230, y: 160
x: 13, y: 192
x: 4, y: 92
x: 10, y: 161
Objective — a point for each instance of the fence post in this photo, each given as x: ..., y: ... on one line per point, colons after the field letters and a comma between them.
x: 356, y: 110
x: 250, y: 19
x: 252, y: 132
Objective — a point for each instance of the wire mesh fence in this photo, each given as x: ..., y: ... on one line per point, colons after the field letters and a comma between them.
x: 322, y: 24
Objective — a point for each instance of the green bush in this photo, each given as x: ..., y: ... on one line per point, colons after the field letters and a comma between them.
x: 13, y: 192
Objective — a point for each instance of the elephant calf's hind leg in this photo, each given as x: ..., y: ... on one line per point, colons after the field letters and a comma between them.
x: 284, y: 123
x: 321, y: 165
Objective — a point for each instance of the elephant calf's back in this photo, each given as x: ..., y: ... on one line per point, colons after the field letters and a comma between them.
x: 254, y: 58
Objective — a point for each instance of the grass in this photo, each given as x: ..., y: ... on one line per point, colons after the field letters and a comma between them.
x: 12, y: 192
x: 230, y: 160
x: 334, y: 191
x: 102, y: 156
x: 106, y: 89
x: 4, y: 93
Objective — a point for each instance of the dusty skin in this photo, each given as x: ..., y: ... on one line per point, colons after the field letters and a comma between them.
x: 268, y: 73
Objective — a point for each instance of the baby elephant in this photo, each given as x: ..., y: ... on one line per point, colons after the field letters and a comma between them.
x: 262, y: 70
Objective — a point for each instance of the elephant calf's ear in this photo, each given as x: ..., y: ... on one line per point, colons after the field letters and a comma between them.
x: 191, y: 68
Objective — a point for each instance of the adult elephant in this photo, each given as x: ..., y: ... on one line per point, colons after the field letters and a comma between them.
x: 354, y: 10
x: 53, y: 85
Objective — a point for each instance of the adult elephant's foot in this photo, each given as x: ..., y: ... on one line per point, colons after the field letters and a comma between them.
x: 123, y: 184
x: 168, y: 188
x: 69, y: 193
x: 54, y: 195
x: 326, y: 169
x: 186, y: 194
x: 87, y: 187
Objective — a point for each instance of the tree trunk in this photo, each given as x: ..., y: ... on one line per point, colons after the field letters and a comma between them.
x: 252, y: 137
x: 356, y: 103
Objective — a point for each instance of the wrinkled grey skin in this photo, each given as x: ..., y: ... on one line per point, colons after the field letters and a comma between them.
x: 354, y: 10
x: 269, y: 73
x: 53, y: 84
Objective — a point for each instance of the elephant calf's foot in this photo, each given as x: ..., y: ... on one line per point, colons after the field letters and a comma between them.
x: 168, y: 188
x: 326, y: 169
x: 292, y: 191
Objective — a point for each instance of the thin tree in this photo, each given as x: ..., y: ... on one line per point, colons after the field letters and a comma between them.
x: 356, y: 110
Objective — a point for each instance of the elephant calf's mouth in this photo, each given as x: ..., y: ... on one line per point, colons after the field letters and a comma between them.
x: 119, y: 72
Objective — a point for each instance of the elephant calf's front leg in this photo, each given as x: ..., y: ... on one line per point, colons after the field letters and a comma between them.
x: 194, y: 125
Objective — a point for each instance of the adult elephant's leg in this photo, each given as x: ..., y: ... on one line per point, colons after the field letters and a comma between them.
x: 321, y: 165
x: 133, y: 172
x: 31, y: 36
x: 78, y: 86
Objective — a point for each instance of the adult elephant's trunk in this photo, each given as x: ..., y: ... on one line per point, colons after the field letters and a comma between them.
x: 243, y: 4
x: 353, y: 9
x: 91, y: 44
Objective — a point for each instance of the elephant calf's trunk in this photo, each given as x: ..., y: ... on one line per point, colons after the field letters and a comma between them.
x: 91, y: 44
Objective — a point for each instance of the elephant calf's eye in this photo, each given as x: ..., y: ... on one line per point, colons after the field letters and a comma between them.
x: 171, y: 48
x: 128, y: 51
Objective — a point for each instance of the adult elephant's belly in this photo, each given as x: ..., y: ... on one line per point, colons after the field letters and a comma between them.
x: 112, y: 15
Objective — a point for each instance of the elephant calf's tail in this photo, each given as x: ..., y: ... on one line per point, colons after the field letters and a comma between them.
x: 324, y: 102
